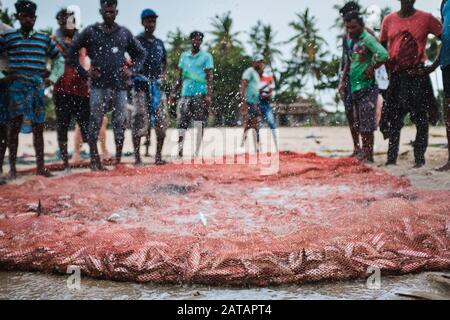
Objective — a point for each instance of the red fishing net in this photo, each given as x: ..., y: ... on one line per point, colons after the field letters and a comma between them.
x: 317, y: 219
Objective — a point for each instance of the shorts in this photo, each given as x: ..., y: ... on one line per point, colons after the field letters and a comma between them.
x: 365, y: 103
x: 4, y: 114
x: 149, y: 109
x: 26, y: 99
x: 253, y: 111
x: 446, y: 81
x: 103, y: 101
x: 267, y: 113
x: 191, y: 109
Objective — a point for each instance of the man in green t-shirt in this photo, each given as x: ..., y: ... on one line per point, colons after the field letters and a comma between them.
x: 195, y: 70
x: 250, y: 96
x: 367, y: 54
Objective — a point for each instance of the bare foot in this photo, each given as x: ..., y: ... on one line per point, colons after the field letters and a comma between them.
x: 106, y: 156
x: 98, y: 168
x: 139, y: 164
x: 160, y: 162
x: 444, y: 168
x: 12, y: 175
x: 356, y: 153
x: 44, y: 173
x: 419, y: 165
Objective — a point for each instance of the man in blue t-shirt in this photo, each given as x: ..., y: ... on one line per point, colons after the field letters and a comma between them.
x: 196, y: 77
x: 148, y: 88
x: 445, y: 65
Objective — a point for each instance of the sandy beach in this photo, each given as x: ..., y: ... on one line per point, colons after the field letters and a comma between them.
x: 325, y: 141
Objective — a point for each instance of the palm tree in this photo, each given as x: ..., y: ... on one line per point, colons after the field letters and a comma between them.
x: 307, y: 41
x: 262, y: 39
x: 5, y: 16
x: 224, y: 39
x: 308, y: 47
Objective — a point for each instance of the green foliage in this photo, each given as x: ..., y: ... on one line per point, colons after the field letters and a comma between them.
x: 6, y: 17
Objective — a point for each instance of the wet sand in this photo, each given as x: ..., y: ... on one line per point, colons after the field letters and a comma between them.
x: 325, y: 141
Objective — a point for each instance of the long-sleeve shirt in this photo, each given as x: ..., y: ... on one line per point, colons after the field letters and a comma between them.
x: 366, y: 52
x: 107, y: 53
x: 29, y: 55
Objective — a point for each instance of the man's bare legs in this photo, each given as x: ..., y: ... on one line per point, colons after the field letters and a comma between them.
x: 352, y: 123
x: 102, y: 139
x: 3, y: 145
x: 368, y: 140
x: 446, y: 167
x: 38, y: 141
x: 13, y: 143
x: 78, y: 144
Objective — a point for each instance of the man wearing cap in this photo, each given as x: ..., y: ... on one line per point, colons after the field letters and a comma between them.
x: 250, y: 97
x: 106, y: 44
x: 148, y: 85
x: 28, y: 51
x: 196, y: 76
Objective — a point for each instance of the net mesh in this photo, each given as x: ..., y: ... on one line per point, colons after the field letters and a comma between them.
x: 317, y: 219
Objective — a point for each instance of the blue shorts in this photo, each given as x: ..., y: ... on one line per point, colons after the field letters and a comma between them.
x: 155, y: 100
x: 26, y: 99
x: 4, y: 114
x: 267, y: 113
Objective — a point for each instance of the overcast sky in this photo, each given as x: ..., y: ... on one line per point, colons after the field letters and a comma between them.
x: 196, y: 14
x: 191, y: 15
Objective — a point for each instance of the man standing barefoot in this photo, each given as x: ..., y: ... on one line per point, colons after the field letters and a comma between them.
x: 28, y: 51
x: 106, y: 44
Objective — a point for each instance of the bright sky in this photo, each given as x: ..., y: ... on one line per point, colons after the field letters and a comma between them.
x: 189, y: 15
x: 196, y: 14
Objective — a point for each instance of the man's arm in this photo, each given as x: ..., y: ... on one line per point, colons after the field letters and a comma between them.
x: 380, y: 55
x: 73, y: 56
x: 137, y: 53
x: 58, y: 65
x: 177, y: 86
x: 164, y: 66
x: 209, y: 84
x: 244, y: 107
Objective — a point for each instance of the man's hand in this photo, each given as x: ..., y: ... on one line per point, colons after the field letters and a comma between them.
x: 244, y: 109
x: 127, y: 73
x: 208, y: 100
x: 9, y: 78
x: 48, y: 83
x: 94, y: 73
x: 370, y: 73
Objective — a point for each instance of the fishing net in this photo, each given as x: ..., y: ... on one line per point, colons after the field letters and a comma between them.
x: 218, y: 224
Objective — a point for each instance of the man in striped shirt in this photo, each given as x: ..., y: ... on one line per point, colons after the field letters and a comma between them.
x: 27, y: 51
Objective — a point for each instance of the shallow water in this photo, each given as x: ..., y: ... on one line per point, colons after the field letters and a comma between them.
x: 18, y: 285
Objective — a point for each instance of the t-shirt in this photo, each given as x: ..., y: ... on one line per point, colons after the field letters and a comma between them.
x: 28, y: 55
x: 71, y: 82
x: 407, y: 38
x: 445, y: 51
x: 252, y: 90
x: 155, y: 60
x: 267, y: 83
x: 193, y: 69
x: 109, y: 53
x: 366, y: 51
